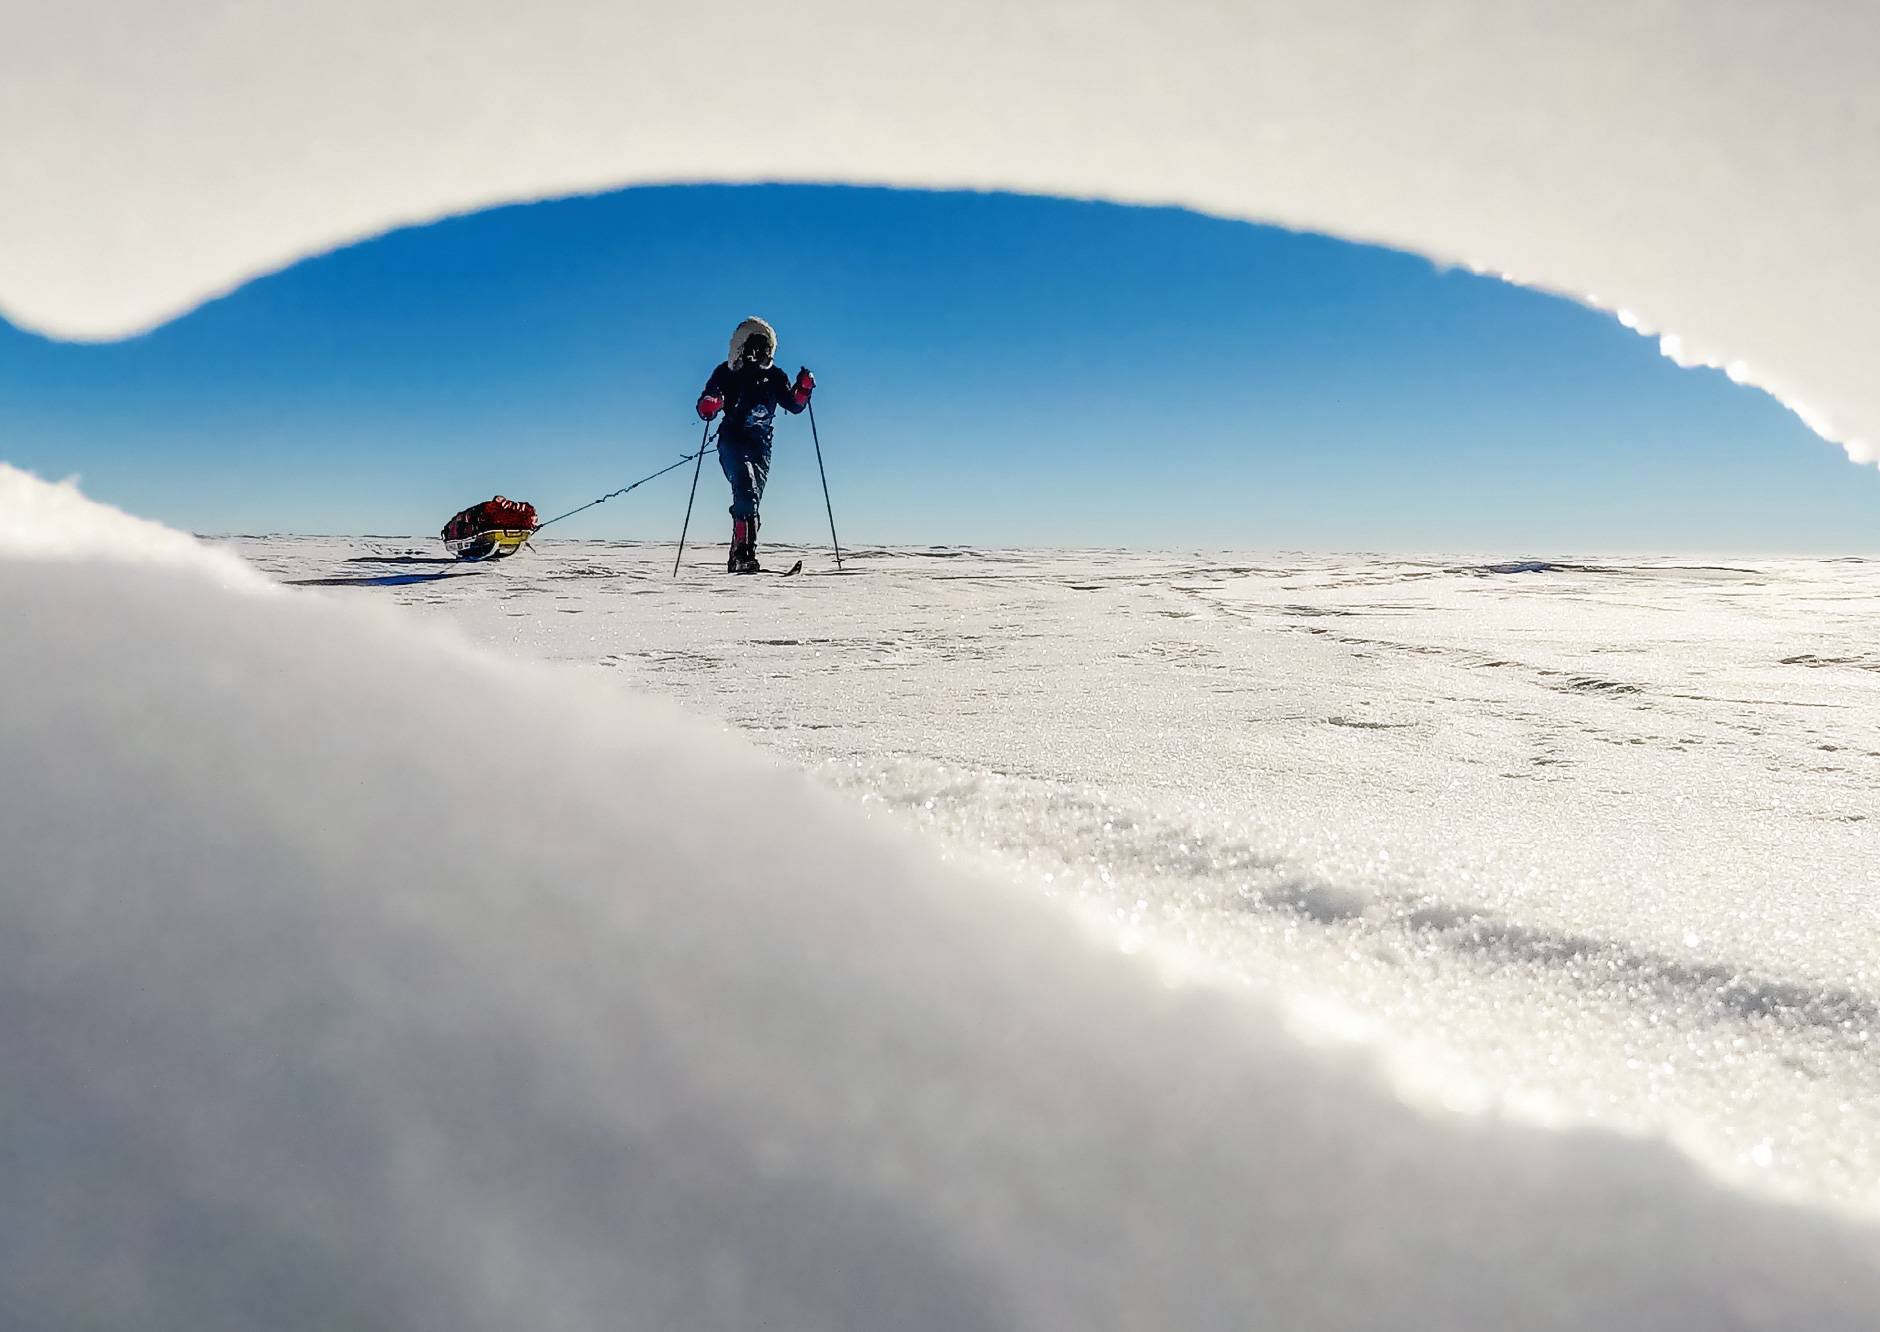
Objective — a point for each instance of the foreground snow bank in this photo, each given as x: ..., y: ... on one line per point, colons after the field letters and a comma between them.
x: 353, y: 979
x: 55, y: 522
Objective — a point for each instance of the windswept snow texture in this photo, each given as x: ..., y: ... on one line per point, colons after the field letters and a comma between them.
x: 1592, y: 841
x: 1703, y: 168
x: 353, y: 978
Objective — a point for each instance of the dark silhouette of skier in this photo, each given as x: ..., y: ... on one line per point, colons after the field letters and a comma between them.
x: 749, y: 389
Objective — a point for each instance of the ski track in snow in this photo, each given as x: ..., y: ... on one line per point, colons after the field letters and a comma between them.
x: 1589, y: 841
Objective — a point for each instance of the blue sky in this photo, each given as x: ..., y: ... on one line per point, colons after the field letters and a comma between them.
x: 994, y: 370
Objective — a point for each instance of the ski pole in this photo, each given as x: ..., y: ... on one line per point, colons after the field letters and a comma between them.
x: 687, y: 525
x: 825, y: 484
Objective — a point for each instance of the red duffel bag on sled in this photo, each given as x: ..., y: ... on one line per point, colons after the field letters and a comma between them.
x: 490, y: 530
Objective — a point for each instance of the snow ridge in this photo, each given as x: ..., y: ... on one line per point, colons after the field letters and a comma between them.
x: 355, y: 978
x: 1701, y: 169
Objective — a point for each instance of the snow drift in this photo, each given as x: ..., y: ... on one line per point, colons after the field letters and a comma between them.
x: 1702, y: 168
x: 317, y: 1017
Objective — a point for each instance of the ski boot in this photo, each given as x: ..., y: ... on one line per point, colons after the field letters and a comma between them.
x: 743, y: 557
x: 750, y: 564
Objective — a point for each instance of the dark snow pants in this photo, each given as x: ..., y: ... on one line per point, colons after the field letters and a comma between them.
x: 747, y: 467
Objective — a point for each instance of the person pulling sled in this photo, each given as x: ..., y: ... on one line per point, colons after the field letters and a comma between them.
x: 748, y: 388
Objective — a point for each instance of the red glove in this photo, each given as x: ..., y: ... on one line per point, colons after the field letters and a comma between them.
x: 805, y: 381
x: 708, y: 407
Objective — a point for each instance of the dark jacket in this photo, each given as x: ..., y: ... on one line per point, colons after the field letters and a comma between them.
x: 751, y: 397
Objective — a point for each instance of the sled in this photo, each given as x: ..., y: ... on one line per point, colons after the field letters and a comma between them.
x: 493, y: 530
x: 497, y: 544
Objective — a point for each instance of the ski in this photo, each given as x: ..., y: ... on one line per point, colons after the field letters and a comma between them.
x: 792, y: 571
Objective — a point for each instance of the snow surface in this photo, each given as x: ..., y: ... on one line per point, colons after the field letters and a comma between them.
x: 1705, y: 167
x: 1587, y: 841
x: 354, y: 976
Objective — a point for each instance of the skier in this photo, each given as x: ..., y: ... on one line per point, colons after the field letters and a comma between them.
x: 749, y: 390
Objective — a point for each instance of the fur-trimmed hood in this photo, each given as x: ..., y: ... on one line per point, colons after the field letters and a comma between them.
x: 743, y: 335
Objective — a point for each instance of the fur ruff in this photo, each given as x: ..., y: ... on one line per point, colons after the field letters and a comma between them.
x: 743, y: 335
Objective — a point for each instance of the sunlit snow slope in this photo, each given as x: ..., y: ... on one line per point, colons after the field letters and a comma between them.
x: 1595, y: 841
x: 355, y: 978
